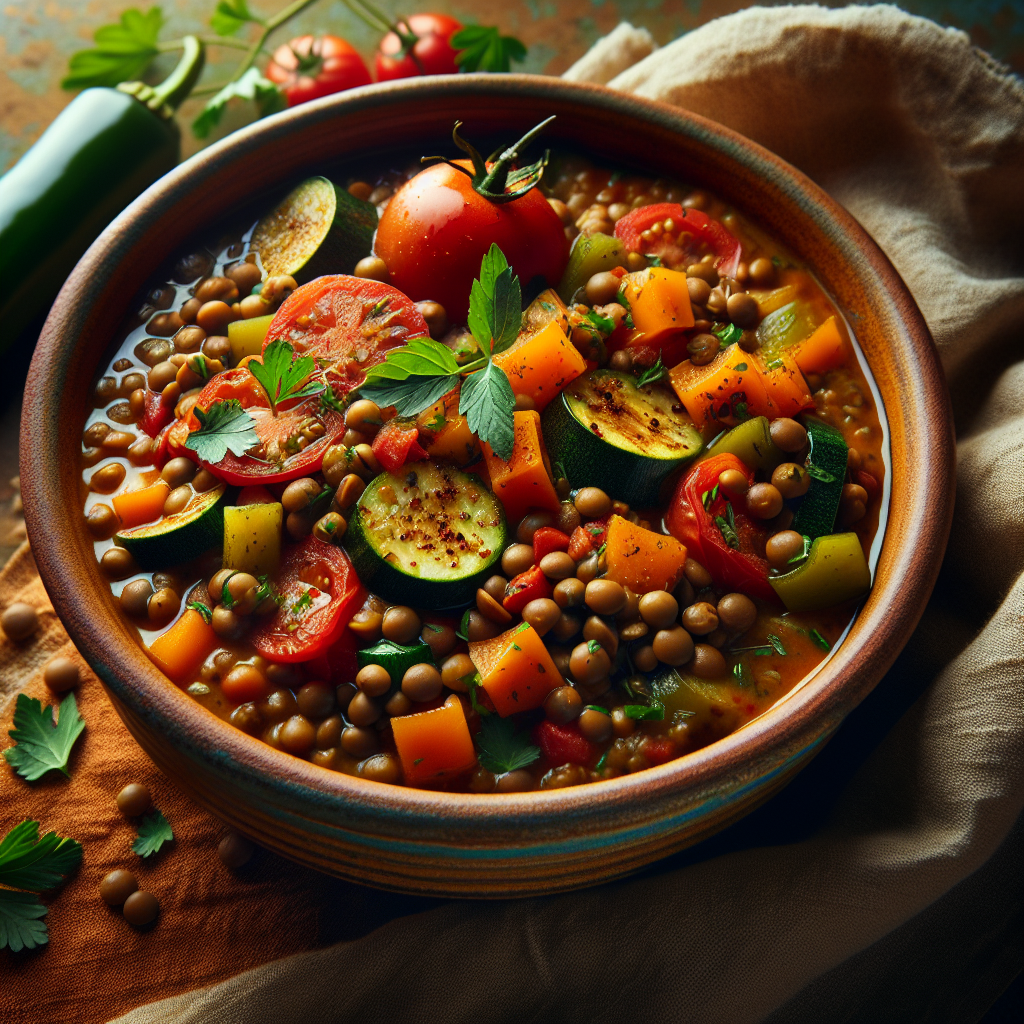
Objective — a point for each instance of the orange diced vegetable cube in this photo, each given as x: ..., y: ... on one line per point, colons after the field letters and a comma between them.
x: 516, y: 670
x: 456, y: 442
x: 434, y: 745
x: 659, y: 302
x: 524, y: 482
x: 541, y: 365
x: 823, y: 350
x: 785, y: 386
x: 184, y: 647
x: 723, y: 392
x: 641, y: 559
x: 134, y: 508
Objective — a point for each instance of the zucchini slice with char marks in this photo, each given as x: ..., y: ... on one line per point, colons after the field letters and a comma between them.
x: 608, y: 433
x: 180, y: 537
x: 428, y: 537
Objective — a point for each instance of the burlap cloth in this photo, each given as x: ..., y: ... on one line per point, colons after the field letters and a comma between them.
x: 854, y: 895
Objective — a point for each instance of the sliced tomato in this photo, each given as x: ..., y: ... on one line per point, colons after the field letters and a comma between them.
x: 320, y: 592
x: 706, y: 235
x: 281, y: 458
x: 691, y: 519
x: 347, y: 323
x: 396, y: 444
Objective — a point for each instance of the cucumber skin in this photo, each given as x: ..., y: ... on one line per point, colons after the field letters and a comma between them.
x: 157, y: 551
x: 816, y: 515
x: 631, y: 478
x: 395, y: 586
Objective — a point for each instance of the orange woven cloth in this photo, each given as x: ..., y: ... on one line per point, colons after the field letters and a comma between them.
x: 213, y: 922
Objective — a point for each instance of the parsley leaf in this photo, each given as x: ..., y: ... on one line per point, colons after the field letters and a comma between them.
x: 231, y: 15
x: 28, y: 861
x: 644, y: 712
x: 652, y: 373
x: 463, y: 631
x: 495, y: 304
x: 502, y: 749
x: 251, y: 86
x: 154, y: 831
x: 776, y: 643
x: 281, y: 374
x: 122, y: 52
x: 203, y: 609
x: 729, y: 334
x: 224, y: 427
x: 605, y: 324
x: 40, y: 745
x: 487, y: 403
x: 412, y: 378
x: 483, y: 48
x: 820, y: 641
x: 817, y: 473
x: 20, y: 927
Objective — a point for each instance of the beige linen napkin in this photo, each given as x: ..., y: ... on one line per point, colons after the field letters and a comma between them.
x: 922, y: 138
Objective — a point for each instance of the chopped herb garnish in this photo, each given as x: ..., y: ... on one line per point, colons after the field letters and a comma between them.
x: 727, y: 335
x: 601, y: 763
x: 774, y: 364
x: 419, y: 760
x: 652, y: 260
x: 604, y: 324
x: 740, y: 410
x: 330, y: 401
x: 302, y: 604
x: 741, y: 673
x: 817, y: 473
x: 652, y: 373
x: 224, y: 427
x: 820, y: 641
x: 432, y: 626
x: 645, y: 712
x: 718, y: 437
x: 708, y: 497
x: 203, y: 610
x: 437, y: 423
x: 593, y: 646
x: 740, y: 367
x: 501, y: 749
x: 596, y: 707
x: 796, y: 559
x: 776, y: 261
x: 727, y: 527
x: 780, y: 648
x: 154, y: 831
x: 283, y: 375
x: 39, y: 744
x: 414, y: 377
x: 463, y: 630
x: 33, y: 862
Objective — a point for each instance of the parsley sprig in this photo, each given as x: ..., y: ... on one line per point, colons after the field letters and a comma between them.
x: 154, y: 831
x: 40, y: 745
x: 283, y: 375
x: 30, y: 862
x: 414, y: 377
x: 501, y: 749
x: 652, y: 373
x: 224, y: 427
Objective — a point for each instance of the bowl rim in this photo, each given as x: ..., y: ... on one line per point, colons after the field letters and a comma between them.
x: 838, y: 685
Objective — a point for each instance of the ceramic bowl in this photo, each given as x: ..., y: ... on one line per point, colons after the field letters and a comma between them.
x: 461, y: 844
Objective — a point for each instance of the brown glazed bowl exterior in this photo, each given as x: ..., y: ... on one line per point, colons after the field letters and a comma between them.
x: 463, y: 844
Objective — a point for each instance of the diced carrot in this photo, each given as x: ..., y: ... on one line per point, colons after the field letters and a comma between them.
x: 641, y: 559
x: 524, y: 482
x: 659, y: 302
x: 823, y: 350
x: 541, y: 365
x: 434, y: 745
x: 185, y: 646
x: 785, y: 386
x: 134, y: 508
x: 516, y: 670
x: 723, y: 392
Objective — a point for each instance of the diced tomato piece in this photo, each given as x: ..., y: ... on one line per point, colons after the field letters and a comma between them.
x: 563, y: 744
x: 160, y: 453
x: 868, y: 481
x: 158, y: 413
x: 396, y: 444
x: 548, y: 539
x: 524, y: 588
x: 580, y: 544
x: 659, y: 749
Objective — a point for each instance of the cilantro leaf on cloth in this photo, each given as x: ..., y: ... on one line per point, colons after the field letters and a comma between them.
x: 501, y: 748
x: 39, y: 744
x: 20, y: 924
x: 154, y: 831
x: 28, y: 861
x: 251, y: 86
x: 122, y: 51
x: 281, y: 374
x: 224, y: 427
x: 483, y: 48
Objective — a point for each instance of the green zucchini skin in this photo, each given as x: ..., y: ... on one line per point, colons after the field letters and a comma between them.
x: 396, y: 659
x: 377, y: 540
x: 181, y: 537
x: 632, y: 473
x: 816, y: 514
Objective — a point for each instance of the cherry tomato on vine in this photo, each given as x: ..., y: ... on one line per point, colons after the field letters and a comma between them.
x: 433, y: 51
x: 310, y: 67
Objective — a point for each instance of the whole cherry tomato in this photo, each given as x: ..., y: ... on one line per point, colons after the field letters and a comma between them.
x: 432, y: 51
x: 308, y: 68
x: 436, y: 229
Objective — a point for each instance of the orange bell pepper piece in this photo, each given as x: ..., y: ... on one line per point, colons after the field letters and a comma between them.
x: 524, y: 482
x: 542, y: 364
x: 641, y: 559
x: 785, y: 386
x: 723, y: 392
x: 516, y: 670
x: 134, y: 508
x: 184, y: 647
x: 824, y: 350
x: 434, y: 745
x: 659, y: 303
